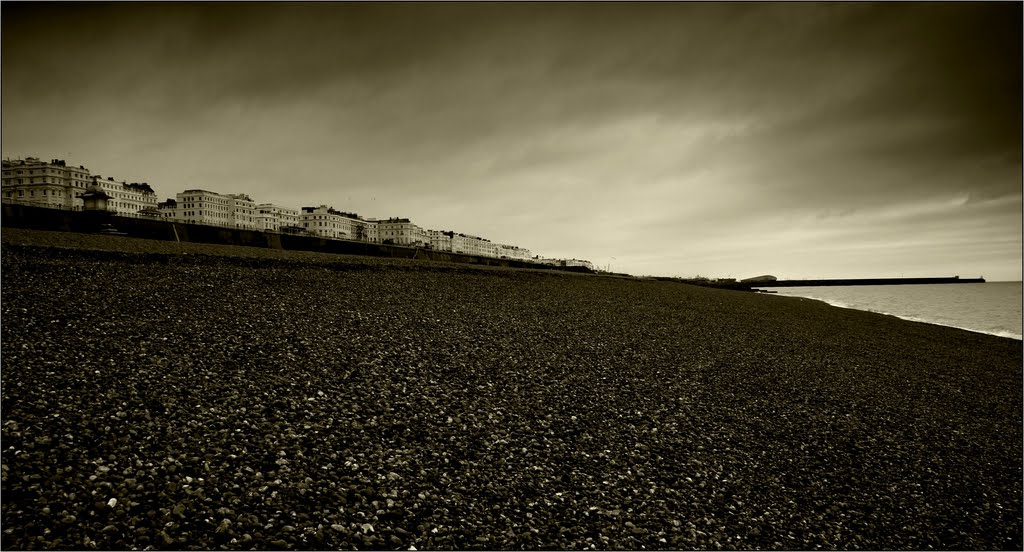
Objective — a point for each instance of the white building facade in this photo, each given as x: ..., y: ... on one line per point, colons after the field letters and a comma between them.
x: 472, y: 245
x: 372, y: 230
x: 50, y: 184
x: 55, y: 185
x: 440, y: 240
x: 126, y: 199
x: 203, y: 207
x: 578, y: 262
x: 241, y: 211
x: 168, y: 209
x: 401, y: 231
x: 272, y: 218
x: 513, y: 252
x: 320, y: 221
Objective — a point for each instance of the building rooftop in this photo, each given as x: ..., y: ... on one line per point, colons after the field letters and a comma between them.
x: 143, y: 187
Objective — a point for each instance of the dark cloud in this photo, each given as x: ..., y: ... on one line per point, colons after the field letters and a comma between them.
x: 599, y: 130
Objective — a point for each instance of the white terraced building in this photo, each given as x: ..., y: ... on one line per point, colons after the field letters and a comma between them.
x: 56, y: 186
x: 273, y: 218
x: 328, y: 222
x: 50, y: 184
x: 440, y: 240
x: 127, y: 199
x: 203, y: 207
x: 513, y: 252
x: 401, y: 231
x: 53, y: 184
x: 242, y: 211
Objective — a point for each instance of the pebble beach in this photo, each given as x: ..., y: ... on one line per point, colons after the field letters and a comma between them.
x: 160, y: 395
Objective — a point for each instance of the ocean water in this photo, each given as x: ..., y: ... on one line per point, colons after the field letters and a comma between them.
x: 992, y: 307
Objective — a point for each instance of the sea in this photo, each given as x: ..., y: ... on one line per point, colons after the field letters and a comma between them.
x: 992, y: 307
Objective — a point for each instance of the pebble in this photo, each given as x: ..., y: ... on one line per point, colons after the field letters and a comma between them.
x: 638, y: 414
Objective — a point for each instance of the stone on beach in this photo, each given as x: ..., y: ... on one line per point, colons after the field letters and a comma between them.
x: 156, y: 399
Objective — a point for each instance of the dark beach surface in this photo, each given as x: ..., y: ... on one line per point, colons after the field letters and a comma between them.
x: 184, y: 396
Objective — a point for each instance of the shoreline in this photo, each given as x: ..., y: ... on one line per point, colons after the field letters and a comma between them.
x: 839, y: 304
x: 140, y: 246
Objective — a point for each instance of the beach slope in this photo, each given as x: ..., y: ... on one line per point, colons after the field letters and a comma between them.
x: 187, y: 396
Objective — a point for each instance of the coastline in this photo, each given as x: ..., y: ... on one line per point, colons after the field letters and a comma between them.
x: 920, y: 319
x: 180, y: 395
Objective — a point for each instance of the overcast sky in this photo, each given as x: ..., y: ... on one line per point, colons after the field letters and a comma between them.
x: 800, y: 140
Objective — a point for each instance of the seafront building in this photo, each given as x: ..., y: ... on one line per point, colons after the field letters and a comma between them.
x: 401, y: 231
x: 328, y: 222
x: 564, y: 262
x: 203, y: 207
x: 243, y: 211
x: 44, y: 184
x: 129, y: 198
x: 55, y: 185
x: 513, y: 252
x: 439, y: 240
x: 275, y: 218
x: 198, y: 206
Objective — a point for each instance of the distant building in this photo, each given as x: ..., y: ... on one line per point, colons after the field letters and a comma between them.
x: 353, y: 227
x: 512, y: 252
x: 401, y: 231
x: 44, y: 184
x: 447, y: 240
x: 204, y: 207
x: 440, y: 240
x: 55, y: 185
x: 241, y: 211
x: 472, y: 245
x: 564, y: 262
x: 272, y: 218
x: 372, y: 230
x: 198, y: 206
x: 578, y: 262
x: 328, y: 222
x: 168, y: 209
x: 126, y: 199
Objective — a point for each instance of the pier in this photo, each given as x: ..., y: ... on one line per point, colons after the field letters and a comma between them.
x: 861, y: 282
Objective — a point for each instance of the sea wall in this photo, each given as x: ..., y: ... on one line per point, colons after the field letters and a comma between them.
x: 39, y: 218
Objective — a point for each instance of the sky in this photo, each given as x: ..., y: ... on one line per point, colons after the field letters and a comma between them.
x: 801, y: 140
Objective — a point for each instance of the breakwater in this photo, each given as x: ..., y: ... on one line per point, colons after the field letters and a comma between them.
x: 861, y: 282
x: 40, y: 218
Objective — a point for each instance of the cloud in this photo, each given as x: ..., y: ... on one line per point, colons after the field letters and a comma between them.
x: 721, y: 133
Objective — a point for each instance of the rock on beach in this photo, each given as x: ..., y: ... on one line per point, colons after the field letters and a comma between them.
x: 183, y: 396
